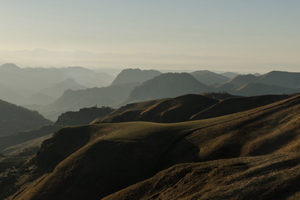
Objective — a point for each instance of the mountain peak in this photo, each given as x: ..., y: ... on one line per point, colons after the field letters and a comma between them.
x: 70, y: 81
x: 168, y: 85
x: 135, y: 75
x: 10, y: 66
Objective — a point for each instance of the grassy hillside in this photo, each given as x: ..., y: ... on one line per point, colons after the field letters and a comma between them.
x: 14, y: 119
x: 165, y: 110
x: 94, y: 161
x: 83, y: 116
x: 24, y: 136
x: 189, y: 107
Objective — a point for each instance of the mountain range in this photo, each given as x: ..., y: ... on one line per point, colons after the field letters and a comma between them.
x: 131, y: 89
x: 26, y: 84
x: 168, y: 85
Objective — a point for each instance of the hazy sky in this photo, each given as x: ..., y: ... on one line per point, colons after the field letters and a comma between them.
x: 256, y: 33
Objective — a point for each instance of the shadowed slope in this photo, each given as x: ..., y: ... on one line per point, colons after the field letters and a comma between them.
x: 70, y: 98
x: 91, y: 162
x: 188, y: 107
x: 165, y: 110
x: 15, y: 118
x: 274, y: 177
x: 83, y: 116
x: 272, y: 130
x: 238, y: 104
x: 24, y: 136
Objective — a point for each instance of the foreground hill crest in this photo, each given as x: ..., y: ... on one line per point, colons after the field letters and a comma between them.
x: 230, y: 153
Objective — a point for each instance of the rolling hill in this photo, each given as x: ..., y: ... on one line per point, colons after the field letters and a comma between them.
x: 246, y: 155
x: 164, y: 110
x: 14, y: 119
x: 26, y: 136
x: 188, y: 107
x: 83, y: 116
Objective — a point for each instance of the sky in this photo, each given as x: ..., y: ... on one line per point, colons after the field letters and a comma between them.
x: 224, y: 35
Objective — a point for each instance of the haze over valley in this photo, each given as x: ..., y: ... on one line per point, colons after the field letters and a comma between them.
x: 153, y: 99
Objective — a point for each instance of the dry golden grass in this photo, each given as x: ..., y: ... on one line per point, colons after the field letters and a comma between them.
x: 201, y: 159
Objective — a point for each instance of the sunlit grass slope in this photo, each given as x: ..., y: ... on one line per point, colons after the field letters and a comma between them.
x: 93, y: 161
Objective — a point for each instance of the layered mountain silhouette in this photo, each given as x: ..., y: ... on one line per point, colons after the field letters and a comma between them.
x: 252, y: 89
x: 135, y: 75
x: 10, y: 67
x: 208, y: 77
x: 275, y: 82
x: 26, y: 83
x: 246, y: 155
x: 10, y: 95
x: 56, y: 90
x: 188, y: 107
x: 173, y: 136
x: 286, y: 79
x: 229, y: 75
x: 83, y: 116
x: 15, y: 118
x: 39, y: 99
x: 168, y: 85
x: 28, y: 142
x: 74, y: 100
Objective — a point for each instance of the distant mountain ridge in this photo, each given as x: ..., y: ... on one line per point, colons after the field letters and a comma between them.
x: 168, y: 85
x: 57, y: 89
x: 282, y: 78
x: 31, y: 80
x: 135, y: 75
x: 208, y: 77
x: 275, y: 82
x: 74, y: 100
